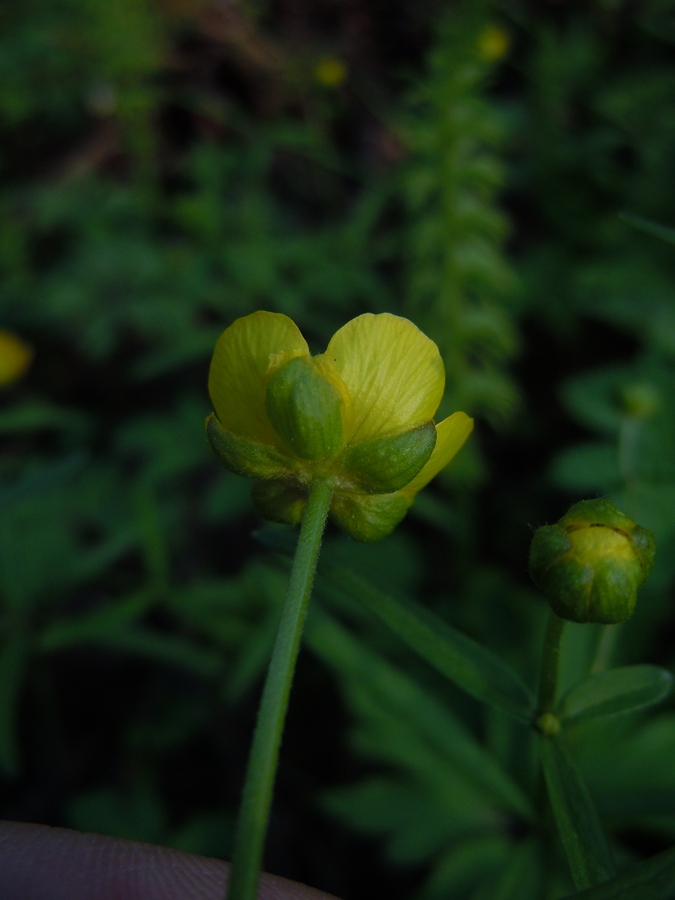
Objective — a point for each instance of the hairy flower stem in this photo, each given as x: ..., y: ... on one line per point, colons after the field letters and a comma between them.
x: 262, y: 763
x: 550, y: 658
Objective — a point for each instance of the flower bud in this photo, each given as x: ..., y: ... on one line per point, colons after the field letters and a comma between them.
x: 305, y: 409
x: 591, y: 563
x: 389, y: 464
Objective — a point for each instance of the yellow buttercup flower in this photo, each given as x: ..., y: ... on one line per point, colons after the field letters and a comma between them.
x: 359, y: 415
x: 493, y: 44
x: 15, y: 357
x: 331, y: 72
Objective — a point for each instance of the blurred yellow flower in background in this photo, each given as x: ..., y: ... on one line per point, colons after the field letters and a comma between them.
x: 330, y: 72
x: 15, y: 357
x: 493, y: 44
x: 359, y: 415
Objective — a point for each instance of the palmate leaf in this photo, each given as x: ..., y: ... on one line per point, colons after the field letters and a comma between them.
x: 464, y: 867
x: 520, y: 878
x: 653, y: 879
x: 472, y: 667
x: 94, y: 626
x: 391, y: 693
x: 41, y: 481
x: 616, y: 691
x: 581, y: 833
x: 468, y: 664
x: 412, y: 825
x: 112, y: 632
x: 165, y: 649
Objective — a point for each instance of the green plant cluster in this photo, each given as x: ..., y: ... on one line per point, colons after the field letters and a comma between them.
x: 166, y: 167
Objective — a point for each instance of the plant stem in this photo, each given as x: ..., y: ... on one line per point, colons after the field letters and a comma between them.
x: 550, y: 657
x: 605, y: 649
x: 262, y: 762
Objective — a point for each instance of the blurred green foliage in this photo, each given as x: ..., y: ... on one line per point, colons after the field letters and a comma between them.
x: 166, y: 167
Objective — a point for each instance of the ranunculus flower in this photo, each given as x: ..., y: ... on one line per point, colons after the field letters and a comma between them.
x: 360, y: 415
x: 15, y: 357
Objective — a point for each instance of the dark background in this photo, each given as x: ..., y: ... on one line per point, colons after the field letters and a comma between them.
x: 496, y: 171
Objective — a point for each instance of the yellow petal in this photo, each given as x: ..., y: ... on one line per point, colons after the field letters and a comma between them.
x: 393, y: 372
x: 244, y: 355
x: 451, y: 434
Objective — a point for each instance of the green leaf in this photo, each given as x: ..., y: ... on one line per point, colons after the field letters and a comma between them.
x: 616, y: 691
x: 412, y: 824
x: 41, y: 480
x: 520, y: 878
x: 415, y: 709
x: 587, y: 467
x: 137, y: 814
x: 96, y: 625
x: 578, y: 823
x: 164, y: 648
x: 104, y: 629
x: 649, y: 227
x: 465, y: 662
x: 653, y: 879
x: 462, y: 868
x: 39, y: 417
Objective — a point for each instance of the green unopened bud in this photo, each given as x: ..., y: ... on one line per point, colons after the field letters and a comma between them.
x: 591, y: 564
x: 305, y: 409
x: 368, y: 517
x: 389, y: 464
x: 244, y: 456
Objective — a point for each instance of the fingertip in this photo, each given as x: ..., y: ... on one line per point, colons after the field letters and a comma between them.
x: 38, y: 862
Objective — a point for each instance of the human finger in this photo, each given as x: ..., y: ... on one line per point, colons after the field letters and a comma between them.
x: 38, y: 862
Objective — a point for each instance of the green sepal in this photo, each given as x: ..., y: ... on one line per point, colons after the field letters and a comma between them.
x: 592, y: 562
x: 305, y: 409
x: 279, y: 501
x: 244, y: 456
x: 367, y: 517
x: 389, y: 464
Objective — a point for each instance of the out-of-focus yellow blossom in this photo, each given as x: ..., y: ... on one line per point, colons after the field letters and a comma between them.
x: 359, y: 415
x: 15, y: 357
x: 330, y: 72
x: 493, y: 44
